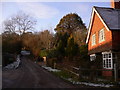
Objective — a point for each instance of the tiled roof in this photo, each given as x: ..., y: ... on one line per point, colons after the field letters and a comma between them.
x: 110, y: 16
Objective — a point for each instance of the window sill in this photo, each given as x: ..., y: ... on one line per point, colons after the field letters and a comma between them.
x: 101, y: 41
x: 93, y: 45
x: 107, y: 68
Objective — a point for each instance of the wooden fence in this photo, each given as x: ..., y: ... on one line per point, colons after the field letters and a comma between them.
x: 88, y: 74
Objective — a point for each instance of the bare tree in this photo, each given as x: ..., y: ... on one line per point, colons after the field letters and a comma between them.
x: 46, y: 39
x: 36, y: 42
x: 19, y: 23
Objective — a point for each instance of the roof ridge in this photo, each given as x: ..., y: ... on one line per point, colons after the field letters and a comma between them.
x: 106, y: 8
x: 103, y: 7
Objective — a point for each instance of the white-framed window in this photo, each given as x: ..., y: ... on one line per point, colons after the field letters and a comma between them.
x: 107, y: 60
x: 92, y: 57
x: 93, y: 39
x: 101, y: 35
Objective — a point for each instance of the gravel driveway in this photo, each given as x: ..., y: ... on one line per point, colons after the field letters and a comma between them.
x: 30, y: 75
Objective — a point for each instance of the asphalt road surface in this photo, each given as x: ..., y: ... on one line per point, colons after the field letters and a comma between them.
x: 0, y: 77
x: 31, y: 75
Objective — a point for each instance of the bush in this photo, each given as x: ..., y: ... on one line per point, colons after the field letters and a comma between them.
x: 51, y: 61
x: 43, y: 53
x: 84, y: 52
x: 11, y: 43
x: 72, y: 48
x: 7, y: 59
x: 84, y: 58
x: 52, y: 53
x: 60, y: 50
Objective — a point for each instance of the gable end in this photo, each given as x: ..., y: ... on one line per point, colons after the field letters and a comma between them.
x: 91, y: 23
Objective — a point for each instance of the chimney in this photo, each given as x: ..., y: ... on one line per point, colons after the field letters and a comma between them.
x: 115, y: 4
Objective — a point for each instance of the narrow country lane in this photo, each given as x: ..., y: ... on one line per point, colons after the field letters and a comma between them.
x: 31, y: 75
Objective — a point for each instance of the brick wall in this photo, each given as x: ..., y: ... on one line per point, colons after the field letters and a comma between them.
x: 116, y: 40
x: 96, y: 26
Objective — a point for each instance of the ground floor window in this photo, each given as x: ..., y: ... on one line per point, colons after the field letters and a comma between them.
x: 107, y: 60
x: 92, y: 57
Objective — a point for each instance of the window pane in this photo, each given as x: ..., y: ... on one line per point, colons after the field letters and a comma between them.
x: 109, y: 63
x: 106, y: 56
x: 93, y: 39
x: 103, y: 55
x: 101, y: 35
x: 110, y: 55
x: 103, y: 63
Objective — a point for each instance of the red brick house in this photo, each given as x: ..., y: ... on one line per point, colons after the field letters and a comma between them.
x: 103, y: 37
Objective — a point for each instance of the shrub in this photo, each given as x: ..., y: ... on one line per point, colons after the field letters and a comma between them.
x: 84, y: 58
x: 72, y: 48
x: 51, y: 61
x: 52, y: 53
x: 11, y: 43
x: 7, y: 59
x: 43, y: 53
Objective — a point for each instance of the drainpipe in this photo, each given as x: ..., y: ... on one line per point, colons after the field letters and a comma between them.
x: 115, y: 72
x: 116, y: 68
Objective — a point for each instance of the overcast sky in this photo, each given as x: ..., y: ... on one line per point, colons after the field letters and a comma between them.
x: 48, y: 14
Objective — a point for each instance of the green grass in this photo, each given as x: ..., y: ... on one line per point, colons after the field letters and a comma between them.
x: 66, y: 75
x: 63, y: 74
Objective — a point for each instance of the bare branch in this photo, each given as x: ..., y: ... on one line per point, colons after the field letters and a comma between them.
x: 20, y: 23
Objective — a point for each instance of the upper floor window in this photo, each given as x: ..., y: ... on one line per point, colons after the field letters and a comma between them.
x: 101, y: 35
x: 93, y: 39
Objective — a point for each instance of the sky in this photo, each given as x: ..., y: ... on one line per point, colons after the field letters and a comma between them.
x: 48, y: 14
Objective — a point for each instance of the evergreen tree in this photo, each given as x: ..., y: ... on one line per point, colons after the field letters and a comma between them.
x: 72, y: 47
x: 60, y: 48
x: 70, y: 23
